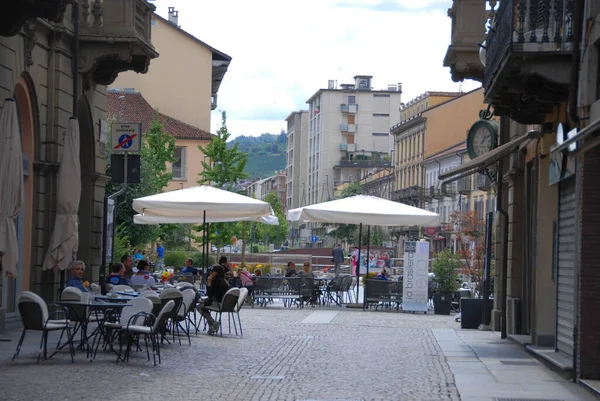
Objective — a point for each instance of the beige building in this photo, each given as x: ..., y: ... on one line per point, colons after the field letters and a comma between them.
x: 259, y: 189
x: 348, y: 134
x: 409, y: 146
x: 184, y: 82
x: 36, y: 60
x: 296, y: 158
x: 133, y: 108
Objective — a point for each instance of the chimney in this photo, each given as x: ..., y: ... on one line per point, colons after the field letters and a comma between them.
x: 173, y: 16
x: 399, y: 86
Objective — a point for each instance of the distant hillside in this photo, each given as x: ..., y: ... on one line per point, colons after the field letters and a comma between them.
x: 266, y: 153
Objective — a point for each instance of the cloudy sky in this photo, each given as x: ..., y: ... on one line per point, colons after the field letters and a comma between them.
x: 284, y: 51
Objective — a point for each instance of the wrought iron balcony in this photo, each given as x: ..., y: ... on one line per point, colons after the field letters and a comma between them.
x: 449, y: 190
x: 115, y: 37
x: 528, y: 58
x: 361, y: 163
x: 464, y: 185
x: 16, y: 12
x: 483, y: 182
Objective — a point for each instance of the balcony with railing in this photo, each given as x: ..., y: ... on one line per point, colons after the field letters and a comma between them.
x: 348, y: 147
x: 528, y: 58
x: 348, y: 127
x: 115, y: 37
x: 450, y: 189
x: 468, y: 30
x: 349, y: 108
x: 16, y: 12
x: 464, y: 185
x: 483, y: 182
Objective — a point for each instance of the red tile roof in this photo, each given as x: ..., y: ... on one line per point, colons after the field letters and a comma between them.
x: 134, y: 108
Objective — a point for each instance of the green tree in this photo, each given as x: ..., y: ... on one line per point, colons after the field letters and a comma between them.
x: 225, y: 169
x: 269, y: 233
x: 156, y: 151
x: 226, y: 165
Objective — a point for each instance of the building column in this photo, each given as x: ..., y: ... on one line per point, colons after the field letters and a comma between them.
x: 588, y: 338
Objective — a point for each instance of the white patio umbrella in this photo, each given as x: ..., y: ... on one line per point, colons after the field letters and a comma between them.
x: 216, y: 205
x: 364, y: 209
x: 65, y: 236
x: 11, y: 185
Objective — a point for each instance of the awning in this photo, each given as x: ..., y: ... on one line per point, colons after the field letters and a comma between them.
x: 483, y: 161
x: 592, y: 128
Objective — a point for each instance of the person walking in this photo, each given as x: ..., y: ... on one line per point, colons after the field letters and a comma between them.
x: 338, y: 258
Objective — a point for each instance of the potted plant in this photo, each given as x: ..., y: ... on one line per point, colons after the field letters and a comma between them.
x: 445, y: 266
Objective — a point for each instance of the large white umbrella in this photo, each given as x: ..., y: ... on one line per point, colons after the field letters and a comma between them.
x: 364, y: 209
x: 65, y: 236
x: 11, y: 185
x: 202, y: 202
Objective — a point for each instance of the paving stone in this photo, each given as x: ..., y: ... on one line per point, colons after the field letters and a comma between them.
x: 282, y: 356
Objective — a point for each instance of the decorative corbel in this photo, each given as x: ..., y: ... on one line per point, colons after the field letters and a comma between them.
x: 30, y: 42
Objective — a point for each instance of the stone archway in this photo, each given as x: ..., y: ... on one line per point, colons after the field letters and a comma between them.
x: 25, y: 97
x: 86, y: 202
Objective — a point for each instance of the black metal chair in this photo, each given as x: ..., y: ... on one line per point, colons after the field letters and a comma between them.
x: 35, y: 316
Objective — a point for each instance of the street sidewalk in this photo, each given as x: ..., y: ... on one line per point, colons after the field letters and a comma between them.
x: 487, y: 368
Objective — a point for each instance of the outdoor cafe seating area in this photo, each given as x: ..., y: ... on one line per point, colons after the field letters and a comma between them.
x: 124, y: 322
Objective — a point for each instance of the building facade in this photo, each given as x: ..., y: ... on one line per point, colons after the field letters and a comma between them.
x: 348, y: 134
x: 409, y: 146
x: 36, y: 57
x: 133, y: 108
x: 276, y: 183
x: 185, y: 81
x: 541, y: 78
x: 296, y: 158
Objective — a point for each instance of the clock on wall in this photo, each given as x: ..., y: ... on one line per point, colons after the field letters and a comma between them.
x: 482, y: 138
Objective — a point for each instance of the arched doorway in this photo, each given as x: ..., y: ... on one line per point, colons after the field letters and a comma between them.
x: 86, y: 203
x: 24, y: 95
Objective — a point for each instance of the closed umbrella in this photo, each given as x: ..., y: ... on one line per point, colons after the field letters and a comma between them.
x: 65, y: 236
x: 11, y: 185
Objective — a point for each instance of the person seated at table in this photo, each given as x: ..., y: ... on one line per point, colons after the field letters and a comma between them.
x: 290, y: 271
x: 382, y: 275
x: 246, y: 279
x: 117, y: 275
x: 223, y: 263
x: 257, y: 273
x: 307, y: 271
x: 216, y: 287
x: 189, y: 267
x: 143, y: 276
x: 76, y: 279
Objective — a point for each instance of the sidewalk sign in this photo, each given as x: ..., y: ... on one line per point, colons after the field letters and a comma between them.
x: 415, y: 280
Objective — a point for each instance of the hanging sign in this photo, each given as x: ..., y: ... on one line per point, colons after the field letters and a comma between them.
x: 415, y: 278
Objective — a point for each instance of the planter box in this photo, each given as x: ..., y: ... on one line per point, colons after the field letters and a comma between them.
x: 442, y: 304
x: 471, y: 311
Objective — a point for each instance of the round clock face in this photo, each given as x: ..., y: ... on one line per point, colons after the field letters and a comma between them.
x: 483, y: 140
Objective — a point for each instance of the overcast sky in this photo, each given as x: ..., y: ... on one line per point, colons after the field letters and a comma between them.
x: 284, y: 51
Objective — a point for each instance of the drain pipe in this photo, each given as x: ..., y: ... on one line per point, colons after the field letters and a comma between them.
x: 575, y: 61
x: 500, y: 208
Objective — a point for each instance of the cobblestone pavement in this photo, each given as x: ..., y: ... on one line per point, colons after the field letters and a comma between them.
x: 285, y: 354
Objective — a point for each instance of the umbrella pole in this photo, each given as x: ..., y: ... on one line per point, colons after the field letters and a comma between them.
x: 368, y: 254
x: 358, y: 263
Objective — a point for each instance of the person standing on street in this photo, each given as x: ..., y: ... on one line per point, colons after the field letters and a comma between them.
x: 160, y: 252
x: 338, y: 258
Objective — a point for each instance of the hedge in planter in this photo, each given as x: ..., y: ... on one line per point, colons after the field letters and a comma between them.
x: 445, y: 266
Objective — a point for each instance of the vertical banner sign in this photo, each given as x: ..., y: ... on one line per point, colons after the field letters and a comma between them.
x: 415, y: 280
x: 109, y: 229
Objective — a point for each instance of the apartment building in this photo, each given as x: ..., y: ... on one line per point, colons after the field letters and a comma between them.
x: 296, y: 158
x: 409, y: 146
x: 348, y: 134
x: 185, y: 82
x: 259, y: 189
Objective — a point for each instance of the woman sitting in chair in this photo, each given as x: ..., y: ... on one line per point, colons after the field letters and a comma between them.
x: 143, y: 277
x: 216, y: 287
